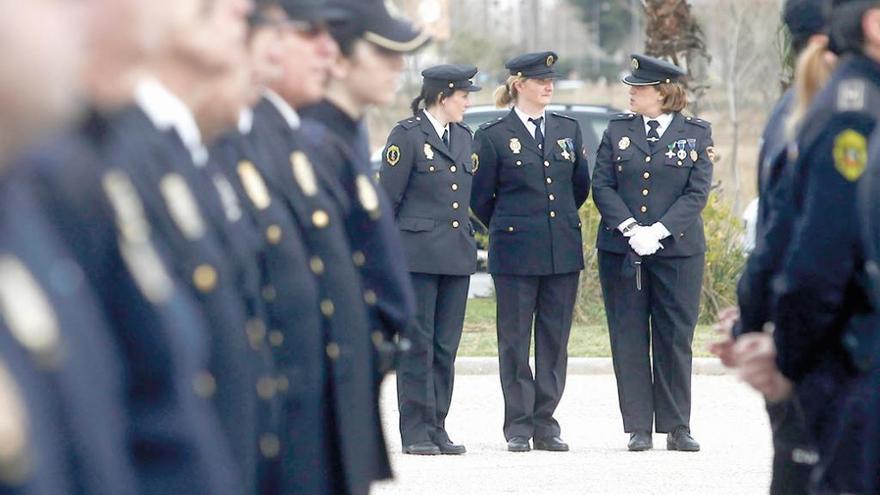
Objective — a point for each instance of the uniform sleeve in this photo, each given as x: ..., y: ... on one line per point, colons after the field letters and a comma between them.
x: 581, y: 175
x: 486, y: 179
x: 689, y: 206
x: 824, y: 253
x: 614, y: 211
x: 397, y: 164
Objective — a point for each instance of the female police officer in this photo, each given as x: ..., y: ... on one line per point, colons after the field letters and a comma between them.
x: 427, y: 172
x: 651, y: 182
x: 532, y: 179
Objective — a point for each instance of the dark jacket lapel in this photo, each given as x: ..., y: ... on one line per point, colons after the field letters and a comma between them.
x: 518, y: 130
x: 673, y: 133
x: 637, y: 134
x: 551, y: 134
x: 432, y: 138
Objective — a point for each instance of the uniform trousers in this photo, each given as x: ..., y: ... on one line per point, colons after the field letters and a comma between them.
x: 426, y: 373
x: 657, y: 321
x: 794, y: 454
x: 547, y: 301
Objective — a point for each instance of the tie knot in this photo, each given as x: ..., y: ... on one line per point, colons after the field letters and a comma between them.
x: 537, y: 121
x: 653, y: 124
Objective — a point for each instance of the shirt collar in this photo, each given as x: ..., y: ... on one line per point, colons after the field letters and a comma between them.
x: 167, y: 112
x: 440, y: 128
x: 283, y: 107
x: 664, y: 120
x: 524, y: 117
x: 245, y: 121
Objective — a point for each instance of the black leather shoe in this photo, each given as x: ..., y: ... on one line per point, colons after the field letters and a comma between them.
x: 448, y: 448
x: 681, y: 439
x: 422, y: 448
x: 553, y: 444
x: 640, y: 441
x: 518, y: 444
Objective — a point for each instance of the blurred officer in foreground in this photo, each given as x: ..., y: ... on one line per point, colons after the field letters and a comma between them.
x: 372, y: 43
x: 427, y: 172
x: 807, y: 22
x: 825, y: 321
x: 532, y: 179
x: 353, y: 452
x: 36, y: 439
x: 651, y: 182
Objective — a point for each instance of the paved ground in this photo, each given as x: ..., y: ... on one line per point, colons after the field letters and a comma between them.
x: 728, y: 419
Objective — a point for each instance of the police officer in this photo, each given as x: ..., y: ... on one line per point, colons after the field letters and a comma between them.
x: 427, y: 172
x: 532, y: 178
x: 807, y: 21
x: 651, y: 182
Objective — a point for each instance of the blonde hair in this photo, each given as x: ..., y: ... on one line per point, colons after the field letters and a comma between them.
x: 811, y: 73
x: 507, y: 93
x: 674, y: 96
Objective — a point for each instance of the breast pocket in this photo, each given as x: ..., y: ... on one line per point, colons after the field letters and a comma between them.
x: 427, y: 167
x: 413, y: 224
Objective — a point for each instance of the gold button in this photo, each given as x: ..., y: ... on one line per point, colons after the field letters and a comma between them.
x: 453, y: 169
x: 205, y: 278
x: 552, y: 197
x: 552, y: 214
x: 644, y: 209
x: 644, y: 192
x: 204, y: 385
x: 647, y: 175
x: 378, y: 338
x: 266, y: 388
x: 518, y: 163
x: 276, y: 338
x: 549, y: 180
x: 510, y: 229
x: 320, y: 219
x: 317, y: 265
x: 679, y: 163
x: 455, y: 205
x: 431, y: 168
x: 333, y: 351
x: 358, y: 258
x: 648, y: 159
x: 270, y: 446
x: 273, y: 234
x: 619, y: 168
x: 327, y: 308
x: 282, y: 384
x: 455, y: 224
x: 269, y: 293
x: 370, y: 297
x: 256, y: 332
x: 455, y: 187
x: 546, y: 163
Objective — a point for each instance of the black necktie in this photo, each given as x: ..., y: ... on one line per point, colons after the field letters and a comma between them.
x: 653, y: 135
x: 446, y: 137
x: 539, y: 136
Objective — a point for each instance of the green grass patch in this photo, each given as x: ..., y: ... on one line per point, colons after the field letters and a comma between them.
x: 479, y: 337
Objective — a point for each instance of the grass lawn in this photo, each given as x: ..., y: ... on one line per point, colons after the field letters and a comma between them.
x: 479, y: 337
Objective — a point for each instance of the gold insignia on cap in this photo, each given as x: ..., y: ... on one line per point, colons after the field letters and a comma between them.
x: 392, y: 155
x: 367, y: 195
x: 127, y: 207
x: 147, y: 269
x: 850, y: 154
x: 28, y: 312
x: 429, y: 152
x: 550, y: 60
x: 254, y: 185
x: 624, y: 142
x: 634, y: 64
x: 475, y: 163
x: 515, y: 146
x: 16, y: 462
x: 182, y: 206
x: 304, y: 173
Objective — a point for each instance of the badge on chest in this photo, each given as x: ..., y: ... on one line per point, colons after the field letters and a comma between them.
x: 515, y: 146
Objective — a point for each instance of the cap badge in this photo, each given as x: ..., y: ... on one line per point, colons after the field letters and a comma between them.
x: 550, y: 60
x: 515, y: 146
x: 635, y: 64
x: 392, y: 155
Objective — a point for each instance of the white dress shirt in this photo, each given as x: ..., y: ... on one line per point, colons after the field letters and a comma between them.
x: 438, y: 127
x: 166, y: 111
x: 664, y: 120
x: 530, y: 126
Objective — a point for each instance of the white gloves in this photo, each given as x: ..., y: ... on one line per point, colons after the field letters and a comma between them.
x: 645, y: 241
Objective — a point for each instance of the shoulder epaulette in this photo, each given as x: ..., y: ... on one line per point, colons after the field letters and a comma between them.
x: 491, y: 123
x: 466, y: 127
x: 698, y: 122
x: 623, y: 116
x: 569, y: 117
x: 408, y: 123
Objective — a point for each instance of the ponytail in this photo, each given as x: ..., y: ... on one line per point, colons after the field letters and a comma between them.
x: 812, y: 72
x: 431, y: 95
x: 506, y: 94
x: 414, y: 106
